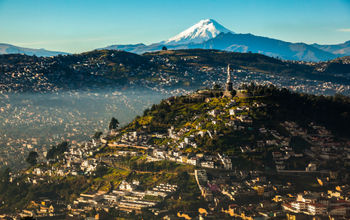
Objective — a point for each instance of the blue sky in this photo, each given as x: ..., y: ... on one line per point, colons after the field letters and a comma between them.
x: 82, y: 25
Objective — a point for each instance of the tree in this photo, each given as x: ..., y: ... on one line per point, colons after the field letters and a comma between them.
x: 164, y: 48
x: 4, y: 179
x: 32, y: 158
x: 216, y: 87
x: 97, y: 135
x: 101, y: 171
x: 113, y: 124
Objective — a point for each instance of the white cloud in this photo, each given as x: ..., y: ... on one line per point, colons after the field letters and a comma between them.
x: 344, y: 30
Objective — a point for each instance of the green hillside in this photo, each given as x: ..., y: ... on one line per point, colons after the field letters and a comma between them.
x: 264, y: 107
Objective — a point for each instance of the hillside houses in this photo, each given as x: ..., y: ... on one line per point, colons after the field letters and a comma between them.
x: 208, y: 161
x: 126, y: 198
x: 124, y: 174
x: 318, y: 205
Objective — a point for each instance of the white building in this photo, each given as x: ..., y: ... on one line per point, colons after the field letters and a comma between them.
x: 317, y: 209
x: 125, y: 186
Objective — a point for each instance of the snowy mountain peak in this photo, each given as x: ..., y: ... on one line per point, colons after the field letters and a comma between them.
x: 198, y: 33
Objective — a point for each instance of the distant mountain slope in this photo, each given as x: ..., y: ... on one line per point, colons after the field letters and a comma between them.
x: 339, y: 49
x: 339, y: 66
x: 11, y: 49
x: 135, y: 48
x: 268, y: 46
x: 247, y: 61
x: 128, y: 47
x: 209, y: 34
x: 162, y: 69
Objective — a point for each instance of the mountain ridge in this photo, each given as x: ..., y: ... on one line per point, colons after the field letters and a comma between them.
x: 341, y: 49
x: 267, y: 46
x: 12, y: 49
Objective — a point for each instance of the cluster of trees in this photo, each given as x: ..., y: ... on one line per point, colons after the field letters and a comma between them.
x: 57, y: 151
x: 101, y: 170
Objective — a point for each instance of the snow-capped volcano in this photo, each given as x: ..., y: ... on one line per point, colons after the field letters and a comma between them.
x: 209, y: 34
x: 198, y: 33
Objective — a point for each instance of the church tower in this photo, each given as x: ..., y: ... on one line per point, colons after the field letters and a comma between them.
x: 228, y: 86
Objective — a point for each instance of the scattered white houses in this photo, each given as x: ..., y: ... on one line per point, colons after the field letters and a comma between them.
x: 193, y: 161
x: 207, y: 164
x: 125, y: 186
x: 214, y: 112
